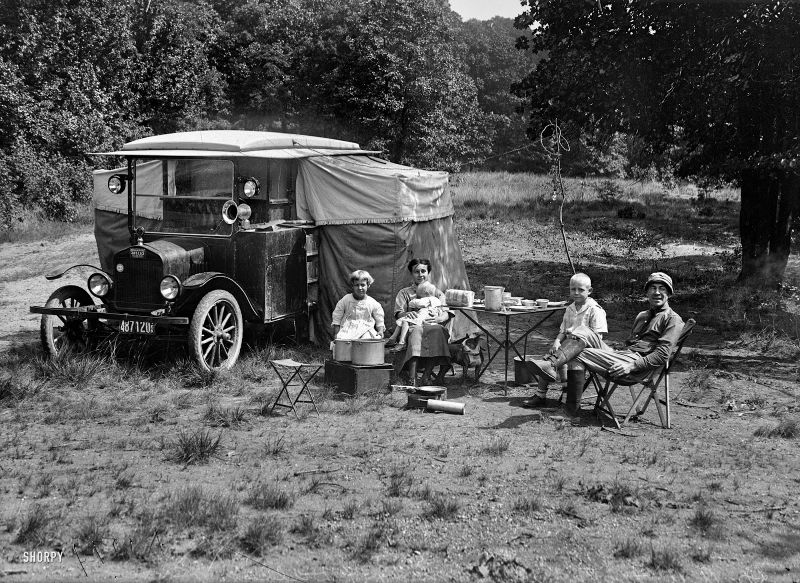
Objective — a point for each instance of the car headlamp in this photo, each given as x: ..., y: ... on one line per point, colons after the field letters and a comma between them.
x: 170, y: 287
x: 251, y: 187
x: 99, y: 284
x: 116, y: 184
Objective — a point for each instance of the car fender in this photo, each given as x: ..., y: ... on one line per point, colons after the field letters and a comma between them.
x: 58, y: 273
x: 197, y: 285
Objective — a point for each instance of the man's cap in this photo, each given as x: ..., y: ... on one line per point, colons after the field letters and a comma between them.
x: 660, y: 277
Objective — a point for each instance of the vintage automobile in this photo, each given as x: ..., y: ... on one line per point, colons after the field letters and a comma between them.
x: 201, y: 233
x: 214, y: 243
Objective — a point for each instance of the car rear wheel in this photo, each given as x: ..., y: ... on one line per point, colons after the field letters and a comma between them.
x: 62, y: 335
x: 215, y: 333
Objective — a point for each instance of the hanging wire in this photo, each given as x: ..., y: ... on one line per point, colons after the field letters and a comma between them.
x: 556, y: 146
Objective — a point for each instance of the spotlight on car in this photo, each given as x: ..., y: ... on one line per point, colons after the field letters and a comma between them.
x: 170, y: 287
x: 99, y: 284
x: 116, y: 184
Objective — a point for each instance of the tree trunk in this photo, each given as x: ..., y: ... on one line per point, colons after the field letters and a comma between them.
x: 769, y: 202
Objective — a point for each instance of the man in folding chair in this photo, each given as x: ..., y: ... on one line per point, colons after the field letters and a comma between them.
x: 653, y: 337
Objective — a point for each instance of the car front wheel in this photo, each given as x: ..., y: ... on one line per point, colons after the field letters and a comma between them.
x: 62, y: 335
x: 215, y: 333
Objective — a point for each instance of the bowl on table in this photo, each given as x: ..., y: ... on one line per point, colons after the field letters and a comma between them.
x: 528, y: 303
x: 541, y: 303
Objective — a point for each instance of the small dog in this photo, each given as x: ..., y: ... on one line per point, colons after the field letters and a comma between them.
x: 470, y: 352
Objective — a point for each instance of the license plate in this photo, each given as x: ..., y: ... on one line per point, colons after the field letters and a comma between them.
x: 133, y: 327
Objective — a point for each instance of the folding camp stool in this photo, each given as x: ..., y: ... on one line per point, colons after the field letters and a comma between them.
x: 287, y: 377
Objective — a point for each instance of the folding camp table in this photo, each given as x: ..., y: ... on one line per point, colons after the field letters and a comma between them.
x: 507, y: 344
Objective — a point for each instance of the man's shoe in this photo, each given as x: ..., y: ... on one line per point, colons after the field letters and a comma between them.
x: 544, y: 368
x: 534, y: 402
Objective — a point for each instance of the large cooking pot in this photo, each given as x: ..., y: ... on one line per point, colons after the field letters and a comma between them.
x: 342, y: 350
x: 367, y: 351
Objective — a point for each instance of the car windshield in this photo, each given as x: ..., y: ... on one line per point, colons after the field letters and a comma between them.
x: 183, y: 196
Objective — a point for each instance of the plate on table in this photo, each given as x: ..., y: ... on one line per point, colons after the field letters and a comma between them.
x: 522, y: 308
x: 556, y: 304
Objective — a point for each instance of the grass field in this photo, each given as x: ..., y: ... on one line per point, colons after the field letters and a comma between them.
x: 144, y: 469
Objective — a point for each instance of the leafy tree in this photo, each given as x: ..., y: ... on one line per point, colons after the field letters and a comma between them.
x: 398, y: 81
x: 711, y: 86
x: 494, y: 65
x: 177, y: 85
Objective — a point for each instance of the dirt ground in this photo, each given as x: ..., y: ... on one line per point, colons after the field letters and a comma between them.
x: 382, y: 493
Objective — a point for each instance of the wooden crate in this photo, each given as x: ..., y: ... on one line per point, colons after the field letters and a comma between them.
x: 356, y: 380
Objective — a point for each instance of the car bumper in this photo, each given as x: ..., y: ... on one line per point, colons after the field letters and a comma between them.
x: 98, y: 313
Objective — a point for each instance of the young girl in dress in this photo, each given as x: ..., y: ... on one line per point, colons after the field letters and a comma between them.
x: 357, y: 315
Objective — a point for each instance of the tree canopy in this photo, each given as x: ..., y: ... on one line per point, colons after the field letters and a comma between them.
x: 401, y: 76
x: 710, y: 88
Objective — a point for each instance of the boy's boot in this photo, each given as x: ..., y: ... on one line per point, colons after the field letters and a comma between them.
x: 548, y: 367
x: 575, y: 382
x: 540, y: 398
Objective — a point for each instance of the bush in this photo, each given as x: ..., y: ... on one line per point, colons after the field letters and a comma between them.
x: 45, y: 181
x: 608, y: 191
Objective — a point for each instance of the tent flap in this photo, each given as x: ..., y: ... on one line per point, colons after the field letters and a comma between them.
x: 344, y: 190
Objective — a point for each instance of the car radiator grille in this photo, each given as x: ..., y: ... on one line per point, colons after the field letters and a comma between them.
x: 137, y: 287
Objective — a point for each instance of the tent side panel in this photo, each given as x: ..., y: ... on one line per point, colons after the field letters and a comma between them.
x: 385, y: 250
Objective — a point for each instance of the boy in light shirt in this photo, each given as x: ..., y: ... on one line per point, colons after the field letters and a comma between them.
x: 584, y: 311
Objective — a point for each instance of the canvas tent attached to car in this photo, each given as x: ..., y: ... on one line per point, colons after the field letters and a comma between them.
x: 367, y: 213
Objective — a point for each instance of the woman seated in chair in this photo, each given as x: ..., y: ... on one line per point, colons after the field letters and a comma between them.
x: 426, y: 345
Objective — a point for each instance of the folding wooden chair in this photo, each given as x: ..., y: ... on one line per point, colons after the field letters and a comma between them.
x: 606, y: 386
x: 286, y: 382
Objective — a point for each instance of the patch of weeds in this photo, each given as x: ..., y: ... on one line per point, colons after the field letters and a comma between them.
x: 268, y: 495
x: 123, y: 479
x: 194, y: 448
x: 628, y: 549
x: 32, y: 526
x: 194, y: 506
x: 400, y: 480
x: 90, y: 534
x: 193, y: 377
x: 260, y: 534
x: 72, y: 370
x: 786, y: 428
x: 701, y: 555
x: 138, y: 542
x: 666, y: 559
x: 275, y: 445
x: 482, y: 479
x: 465, y: 471
x: 424, y: 492
x: 216, y: 416
x: 371, y: 542
x: 350, y: 509
x: 391, y: 507
x: 442, y: 507
x: 714, y: 486
x: 307, y: 527
x: 706, y: 522
x: 618, y: 495
x: 327, y: 514
x: 558, y: 483
x: 497, y: 446
x: 527, y: 505
x: 44, y: 485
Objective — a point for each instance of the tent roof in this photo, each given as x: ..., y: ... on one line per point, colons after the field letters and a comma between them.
x: 260, y: 144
